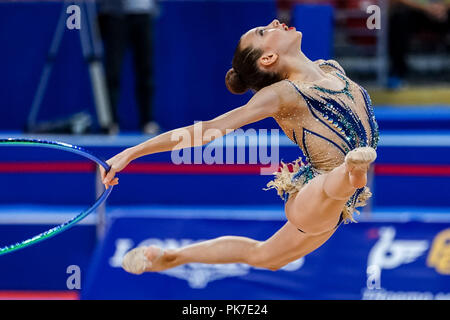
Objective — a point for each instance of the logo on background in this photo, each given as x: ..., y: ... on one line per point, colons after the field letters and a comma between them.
x: 389, y: 253
x: 439, y: 256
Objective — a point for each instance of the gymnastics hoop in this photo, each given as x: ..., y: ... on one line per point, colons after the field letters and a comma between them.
x: 70, y: 223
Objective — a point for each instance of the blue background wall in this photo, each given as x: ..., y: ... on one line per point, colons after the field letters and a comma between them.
x: 194, y: 45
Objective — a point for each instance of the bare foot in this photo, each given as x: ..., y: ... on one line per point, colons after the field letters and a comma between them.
x: 357, y: 164
x: 141, y: 259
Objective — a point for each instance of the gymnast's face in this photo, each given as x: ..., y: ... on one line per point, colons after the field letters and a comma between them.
x: 276, y: 40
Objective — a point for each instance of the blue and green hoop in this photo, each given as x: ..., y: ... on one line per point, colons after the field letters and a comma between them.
x: 68, y: 224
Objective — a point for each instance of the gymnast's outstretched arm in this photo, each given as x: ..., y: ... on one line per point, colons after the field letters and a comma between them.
x: 265, y: 103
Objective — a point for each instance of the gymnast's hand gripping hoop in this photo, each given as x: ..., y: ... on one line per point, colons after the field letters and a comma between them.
x: 68, y: 224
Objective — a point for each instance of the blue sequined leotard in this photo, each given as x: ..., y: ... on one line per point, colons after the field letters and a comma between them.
x: 333, y: 123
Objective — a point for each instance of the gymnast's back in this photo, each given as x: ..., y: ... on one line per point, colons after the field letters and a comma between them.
x: 327, y: 123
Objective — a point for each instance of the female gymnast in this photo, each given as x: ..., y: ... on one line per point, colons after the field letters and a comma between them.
x: 326, y: 114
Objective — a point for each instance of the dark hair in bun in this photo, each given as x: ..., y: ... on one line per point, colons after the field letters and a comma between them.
x: 234, y: 83
x: 246, y: 74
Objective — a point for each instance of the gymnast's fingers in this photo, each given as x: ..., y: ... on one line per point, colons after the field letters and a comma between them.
x: 109, y: 176
x: 102, y: 172
x: 113, y: 182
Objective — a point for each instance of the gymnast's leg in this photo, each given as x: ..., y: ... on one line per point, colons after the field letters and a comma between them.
x: 318, y: 205
x: 286, y: 245
x: 228, y: 249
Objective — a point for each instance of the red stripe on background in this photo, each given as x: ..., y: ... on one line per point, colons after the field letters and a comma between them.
x: 141, y: 168
x: 39, y: 295
x: 167, y: 168
x: 412, y: 170
x: 45, y: 167
x: 217, y: 169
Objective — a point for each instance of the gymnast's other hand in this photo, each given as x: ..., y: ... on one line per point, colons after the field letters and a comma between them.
x: 117, y: 164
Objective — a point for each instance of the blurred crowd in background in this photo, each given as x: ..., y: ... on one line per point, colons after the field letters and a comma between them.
x: 414, y: 40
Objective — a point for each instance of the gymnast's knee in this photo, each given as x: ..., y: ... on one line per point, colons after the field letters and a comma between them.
x: 258, y: 257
